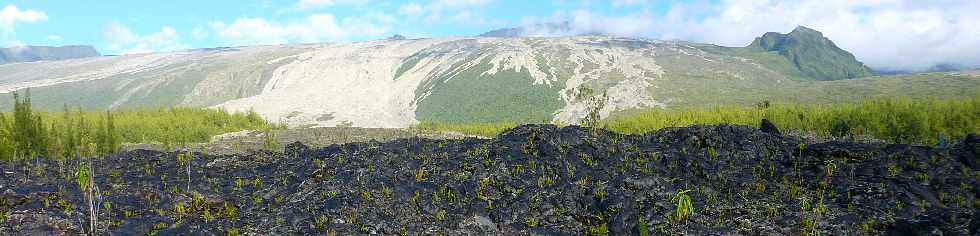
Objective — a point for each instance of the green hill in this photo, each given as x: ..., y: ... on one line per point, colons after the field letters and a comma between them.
x: 813, y: 54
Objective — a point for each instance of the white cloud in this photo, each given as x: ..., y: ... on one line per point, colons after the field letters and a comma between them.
x: 586, y: 22
x: 199, y: 33
x: 312, y: 29
x: 10, y: 16
x: 465, y: 12
x: 885, y: 34
x: 121, y: 40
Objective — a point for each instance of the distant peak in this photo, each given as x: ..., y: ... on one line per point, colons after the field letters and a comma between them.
x: 397, y: 37
x: 540, y: 29
x: 813, y: 54
x: 803, y: 29
x: 27, y: 53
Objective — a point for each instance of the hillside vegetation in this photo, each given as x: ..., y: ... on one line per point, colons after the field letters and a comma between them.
x: 25, y: 133
x: 899, y: 120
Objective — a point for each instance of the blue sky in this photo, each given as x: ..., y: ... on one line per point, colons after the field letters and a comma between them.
x: 886, y: 34
x: 89, y: 22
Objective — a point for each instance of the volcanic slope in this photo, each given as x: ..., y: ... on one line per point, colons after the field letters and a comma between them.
x: 397, y: 82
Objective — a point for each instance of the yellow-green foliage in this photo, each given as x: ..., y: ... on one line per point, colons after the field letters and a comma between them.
x: 76, y: 133
x: 892, y: 119
x: 177, y: 125
x: 479, y: 129
x: 896, y: 120
x: 182, y: 124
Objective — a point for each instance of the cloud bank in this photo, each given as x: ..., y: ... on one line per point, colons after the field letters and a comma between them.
x: 312, y: 29
x: 121, y: 40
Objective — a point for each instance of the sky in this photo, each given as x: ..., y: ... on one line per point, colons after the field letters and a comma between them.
x: 894, y: 35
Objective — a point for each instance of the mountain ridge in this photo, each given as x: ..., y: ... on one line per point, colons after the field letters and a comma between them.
x: 45, y: 53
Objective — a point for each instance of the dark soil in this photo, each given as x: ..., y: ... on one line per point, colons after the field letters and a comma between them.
x: 535, y: 179
x: 240, y: 143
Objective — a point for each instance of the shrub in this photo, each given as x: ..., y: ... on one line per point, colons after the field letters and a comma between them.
x: 840, y: 128
x: 84, y: 177
x: 269, y: 141
x: 593, y: 119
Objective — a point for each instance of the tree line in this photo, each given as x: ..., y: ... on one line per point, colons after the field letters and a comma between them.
x: 25, y: 133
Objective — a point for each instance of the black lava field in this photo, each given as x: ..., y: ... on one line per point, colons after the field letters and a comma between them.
x: 530, y: 180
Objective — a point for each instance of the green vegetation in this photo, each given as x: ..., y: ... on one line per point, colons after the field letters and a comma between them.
x: 684, y: 207
x: 896, y: 120
x: 593, y: 119
x: 812, y: 54
x: 185, y: 159
x: 71, y: 134
x: 899, y: 120
x: 727, y: 80
x: 472, y: 96
x: 85, y: 180
x: 597, y: 230
x: 269, y: 142
x: 25, y: 135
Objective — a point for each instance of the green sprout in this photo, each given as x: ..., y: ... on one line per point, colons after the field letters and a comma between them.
x: 684, y: 207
